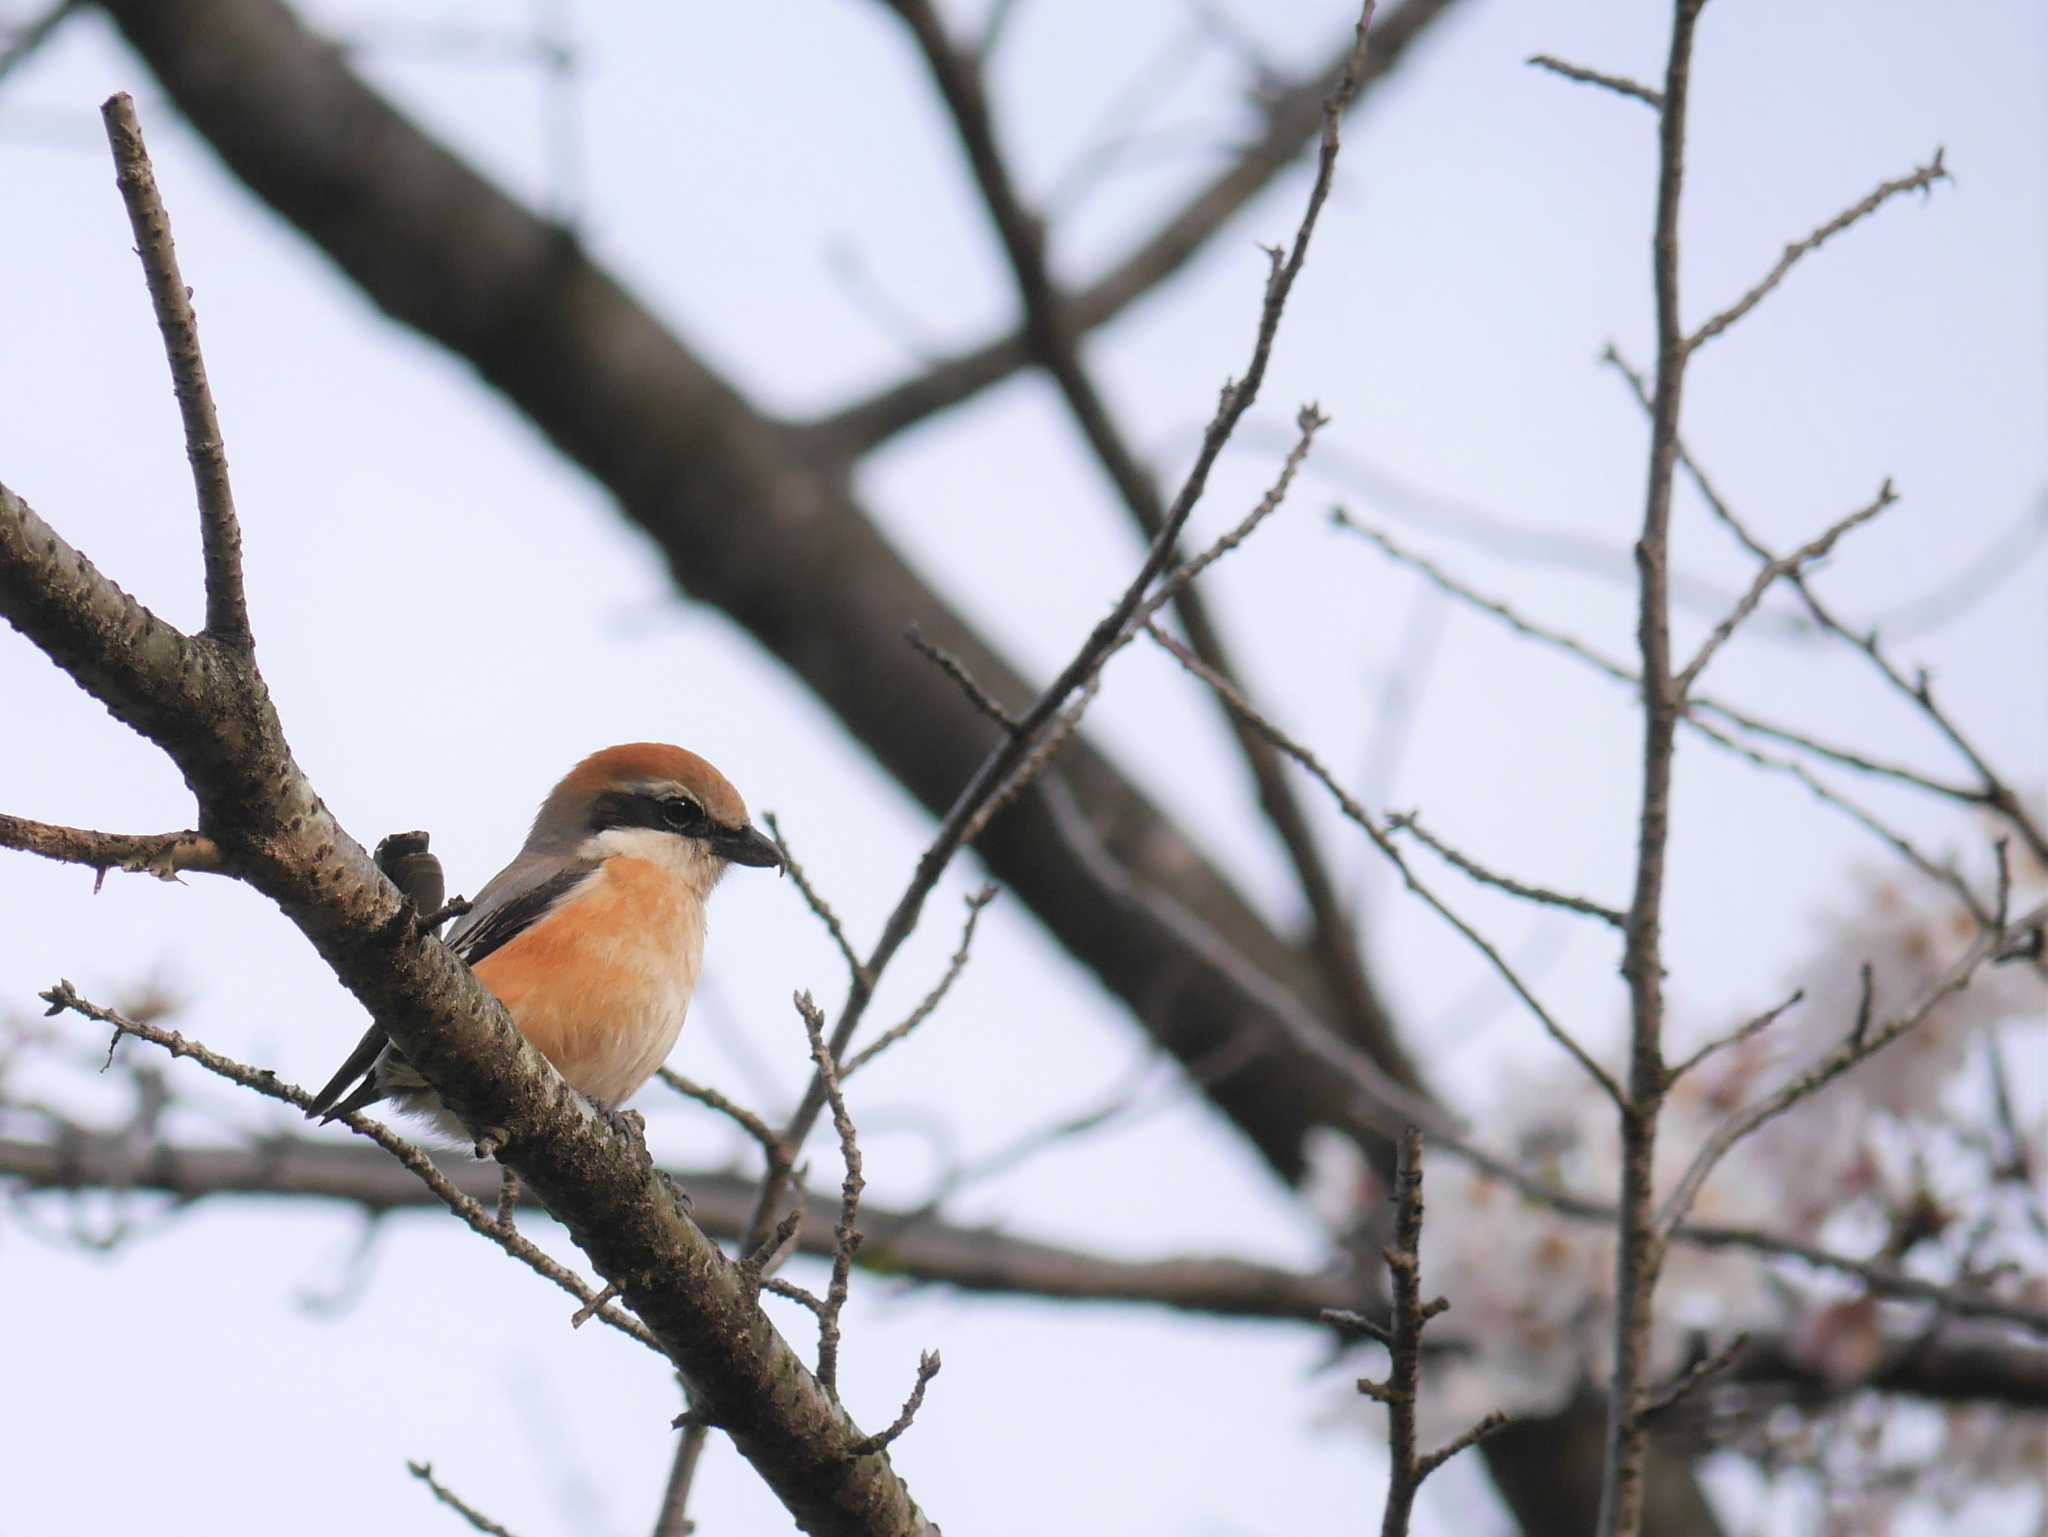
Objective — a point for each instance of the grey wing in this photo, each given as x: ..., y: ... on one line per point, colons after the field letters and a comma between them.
x: 516, y: 898
x: 513, y: 901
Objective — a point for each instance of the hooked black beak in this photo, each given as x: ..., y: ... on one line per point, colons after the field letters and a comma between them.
x: 746, y: 846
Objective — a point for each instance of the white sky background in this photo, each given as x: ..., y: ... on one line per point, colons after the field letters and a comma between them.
x: 449, y: 615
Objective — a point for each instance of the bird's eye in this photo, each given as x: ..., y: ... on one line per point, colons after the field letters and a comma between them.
x: 681, y: 814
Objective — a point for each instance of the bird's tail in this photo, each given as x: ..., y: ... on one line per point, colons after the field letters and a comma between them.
x: 361, y: 1064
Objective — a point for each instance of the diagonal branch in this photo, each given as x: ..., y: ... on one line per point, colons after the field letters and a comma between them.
x: 1358, y: 815
x: 1858, y: 1043
x: 1792, y: 565
x: 1921, y: 179
x: 1013, y: 757
x: 1055, y: 345
x: 1992, y: 792
x: 743, y: 508
x: 220, y: 536
x: 1621, y: 85
x: 1293, y: 118
x: 431, y: 1179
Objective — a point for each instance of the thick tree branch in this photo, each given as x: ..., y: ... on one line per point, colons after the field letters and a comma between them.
x: 204, y: 702
x: 744, y: 512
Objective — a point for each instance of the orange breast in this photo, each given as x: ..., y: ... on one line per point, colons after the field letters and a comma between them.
x: 601, y: 985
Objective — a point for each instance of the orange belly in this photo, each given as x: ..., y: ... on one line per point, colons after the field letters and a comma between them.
x: 602, y: 984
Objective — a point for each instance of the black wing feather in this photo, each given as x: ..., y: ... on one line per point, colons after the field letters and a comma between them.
x: 508, y: 920
x: 498, y: 928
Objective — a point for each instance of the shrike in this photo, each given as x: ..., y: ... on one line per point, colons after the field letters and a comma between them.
x: 592, y: 937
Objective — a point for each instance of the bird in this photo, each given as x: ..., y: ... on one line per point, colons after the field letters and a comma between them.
x: 593, y: 935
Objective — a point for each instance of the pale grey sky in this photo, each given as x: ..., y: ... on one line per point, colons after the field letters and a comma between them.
x: 449, y: 616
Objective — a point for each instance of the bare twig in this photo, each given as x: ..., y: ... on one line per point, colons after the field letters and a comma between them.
x: 777, y: 1151
x: 227, y: 606
x: 817, y: 904
x: 1714, y: 1364
x: 1293, y: 118
x: 846, y: 1236
x: 164, y: 855
x: 1609, y: 667
x: 1055, y: 345
x: 956, y: 669
x: 424, y: 1472
x: 1110, y: 633
x: 1363, y: 819
x: 1542, y: 896
x: 928, y: 1004
x: 1860, y: 1042
x: 1992, y: 791
x: 1749, y: 1029
x: 927, y: 1368
x: 1782, y: 566
x: 63, y: 996
x: 1619, y: 84
x: 1401, y: 1392
x: 1920, y: 180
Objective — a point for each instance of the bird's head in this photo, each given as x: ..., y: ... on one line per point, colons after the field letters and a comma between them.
x: 647, y: 800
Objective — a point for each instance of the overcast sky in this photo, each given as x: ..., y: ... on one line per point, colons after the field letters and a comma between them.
x: 449, y: 616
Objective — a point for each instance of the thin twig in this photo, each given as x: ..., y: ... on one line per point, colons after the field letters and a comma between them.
x: 63, y: 996
x: 1363, y: 819
x: 1619, y: 84
x: 927, y: 1005
x: 1782, y: 566
x: 846, y: 1236
x: 220, y: 536
x: 1401, y: 1392
x: 1543, y: 896
x: 1292, y: 118
x: 1860, y: 1042
x: 1695, y: 1376
x: 1921, y: 179
x: 1608, y: 667
x: 424, y: 1472
x: 1054, y: 340
x: 956, y: 669
x: 818, y: 905
x: 590, y: 1309
x: 776, y: 1151
x: 927, y: 1368
x: 1995, y: 794
x: 1749, y: 1029
x: 1109, y: 634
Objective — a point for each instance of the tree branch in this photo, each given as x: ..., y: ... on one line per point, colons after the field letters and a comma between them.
x: 164, y: 855
x: 1920, y: 180
x: 220, y: 536
x: 1054, y: 343
x: 1638, y: 1256
x: 1293, y: 119
x: 743, y: 509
